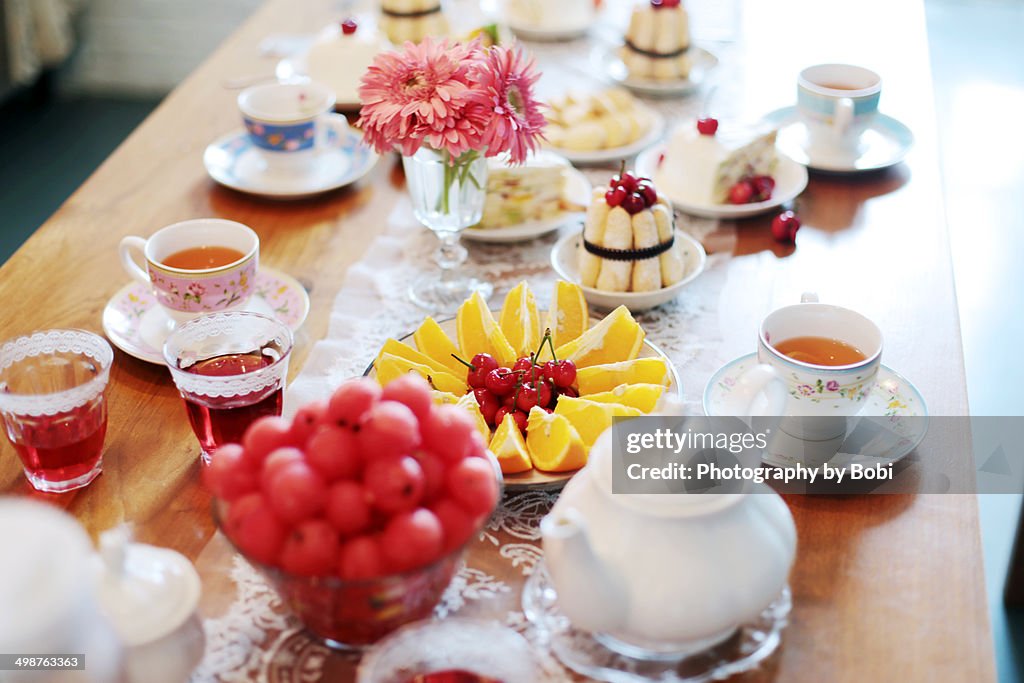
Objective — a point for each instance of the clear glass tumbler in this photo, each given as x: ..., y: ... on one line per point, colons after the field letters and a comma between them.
x: 230, y: 369
x: 53, y: 403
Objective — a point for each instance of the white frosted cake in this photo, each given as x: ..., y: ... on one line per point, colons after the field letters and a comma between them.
x: 412, y: 20
x: 545, y: 14
x: 534, y: 191
x: 657, y: 42
x: 703, y: 168
x: 341, y: 55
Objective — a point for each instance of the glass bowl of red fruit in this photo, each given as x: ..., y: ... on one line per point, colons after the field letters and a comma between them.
x: 359, y: 509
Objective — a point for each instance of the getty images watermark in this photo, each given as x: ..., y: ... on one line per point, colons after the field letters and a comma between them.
x: 877, y: 454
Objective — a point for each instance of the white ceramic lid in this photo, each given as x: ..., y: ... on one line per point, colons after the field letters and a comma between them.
x: 147, y: 592
x: 45, y: 555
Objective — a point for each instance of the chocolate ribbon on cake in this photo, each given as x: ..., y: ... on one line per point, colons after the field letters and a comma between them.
x: 656, y: 55
x: 628, y: 254
x: 412, y: 15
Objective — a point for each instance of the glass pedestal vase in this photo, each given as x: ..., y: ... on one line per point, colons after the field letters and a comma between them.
x: 447, y: 197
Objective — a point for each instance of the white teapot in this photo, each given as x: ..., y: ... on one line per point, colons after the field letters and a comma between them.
x: 664, y: 574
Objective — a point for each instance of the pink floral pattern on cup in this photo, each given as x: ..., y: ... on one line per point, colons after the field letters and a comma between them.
x: 204, y: 293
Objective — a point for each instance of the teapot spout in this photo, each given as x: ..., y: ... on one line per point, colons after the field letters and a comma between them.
x: 589, y: 592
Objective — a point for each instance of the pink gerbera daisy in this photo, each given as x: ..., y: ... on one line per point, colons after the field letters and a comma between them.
x: 421, y: 95
x: 504, y: 79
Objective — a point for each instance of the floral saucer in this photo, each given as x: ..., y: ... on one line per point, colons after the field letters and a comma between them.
x: 233, y: 161
x: 893, y: 398
x: 885, y: 143
x: 134, y: 322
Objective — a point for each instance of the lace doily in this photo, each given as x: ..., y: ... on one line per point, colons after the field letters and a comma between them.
x: 252, y: 639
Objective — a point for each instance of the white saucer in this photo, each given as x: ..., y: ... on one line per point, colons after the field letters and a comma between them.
x: 790, y: 181
x: 577, y: 191
x: 602, y: 156
x: 893, y: 397
x: 609, y: 63
x: 233, y: 161
x: 885, y: 143
x: 563, y: 260
x: 136, y: 324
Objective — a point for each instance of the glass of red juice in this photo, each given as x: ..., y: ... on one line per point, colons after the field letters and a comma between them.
x: 230, y: 368
x: 53, y: 404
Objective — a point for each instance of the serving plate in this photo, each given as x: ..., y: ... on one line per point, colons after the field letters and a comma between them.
x: 603, y: 156
x: 536, y: 479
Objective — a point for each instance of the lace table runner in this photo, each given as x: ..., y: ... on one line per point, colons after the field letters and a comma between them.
x: 252, y: 638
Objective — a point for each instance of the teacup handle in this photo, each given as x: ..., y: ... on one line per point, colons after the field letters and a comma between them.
x: 325, y: 125
x: 761, y: 379
x: 843, y: 116
x: 125, y: 249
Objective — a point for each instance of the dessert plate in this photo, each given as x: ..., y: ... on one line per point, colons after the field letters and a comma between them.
x: 603, y: 156
x: 542, y: 33
x: 577, y: 191
x: 790, y: 181
x: 233, y: 161
x: 893, y: 397
x: 563, y: 260
x: 137, y: 325
x: 535, y: 479
x: 885, y: 143
x: 611, y: 65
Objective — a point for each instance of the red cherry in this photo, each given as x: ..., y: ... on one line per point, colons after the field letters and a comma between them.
x: 545, y: 394
x: 562, y: 373
x: 629, y: 182
x: 502, y: 412
x: 707, y: 126
x: 349, y: 26
x: 784, y: 226
x: 614, y: 196
x: 523, y: 364
x: 488, y: 403
x: 764, y: 185
x: 741, y: 193
x: 526, y: 398
x: 509, y: 402
x: 501, y: 381
x: 634, y: 204
x: 569, y: 391
x: 482, y: 364
x: 520, y: 418
x: 650, y: 195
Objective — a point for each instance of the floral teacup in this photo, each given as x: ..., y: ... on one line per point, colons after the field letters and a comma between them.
x: 187, y: 293
x: 813, y: 400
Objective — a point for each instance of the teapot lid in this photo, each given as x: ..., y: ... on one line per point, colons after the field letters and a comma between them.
x: 146, y: 591
x: 43, y: 547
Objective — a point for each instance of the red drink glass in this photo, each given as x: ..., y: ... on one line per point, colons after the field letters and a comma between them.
x: 230, y: 368
x: 53, y: 403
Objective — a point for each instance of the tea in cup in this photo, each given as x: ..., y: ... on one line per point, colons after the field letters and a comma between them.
x: 195, y: 267
x: 290, y: 123
x: 816, y: 361
x: 837, y: 102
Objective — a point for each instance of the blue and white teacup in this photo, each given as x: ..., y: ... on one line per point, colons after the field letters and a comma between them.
x: 837, y: 103
x: 291, y: 123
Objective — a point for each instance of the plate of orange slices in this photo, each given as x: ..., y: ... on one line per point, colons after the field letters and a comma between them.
x: 540, y: 385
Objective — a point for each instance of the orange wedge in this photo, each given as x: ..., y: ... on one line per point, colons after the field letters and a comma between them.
x: 478, y: 332
x: 520, y: 320
x: 432, y: 342
x: 606, y: 377
x: 554, y: 444
x: 402, y: 350
x: 568, y: 316
x: 389, y: 366
x: 469, y: 403
x: 444, y: 397
x: 509, y: 446
x: 616, y: 338
x: 591, y: 418
x: 643, y: 397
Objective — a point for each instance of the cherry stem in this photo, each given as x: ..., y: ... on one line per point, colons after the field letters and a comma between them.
x: 551, y: 345
x: 468, y: 365
x: 547, y: 340
x: 622, y: 168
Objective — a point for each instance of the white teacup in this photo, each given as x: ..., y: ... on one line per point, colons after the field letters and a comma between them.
x: 185, y: 293
x: 837, y: 103
x: 291, y: 123
x: 813, y: 400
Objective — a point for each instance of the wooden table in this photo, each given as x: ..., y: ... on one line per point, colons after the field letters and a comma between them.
x: 885, y: 587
